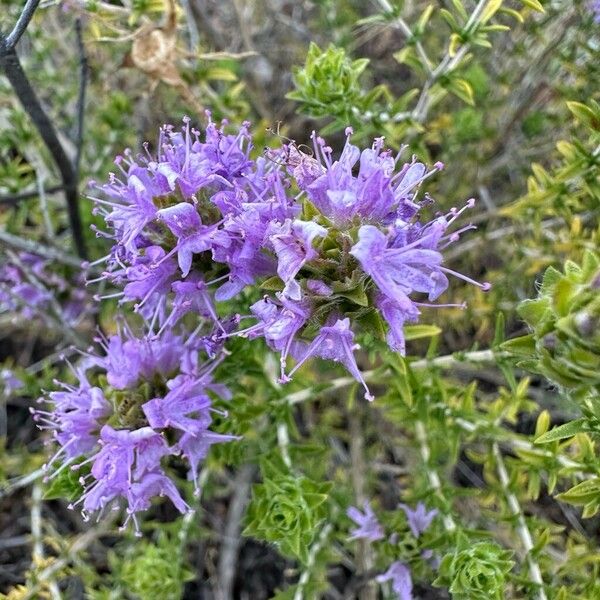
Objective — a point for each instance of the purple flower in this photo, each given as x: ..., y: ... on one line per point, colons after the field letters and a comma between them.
x: 418, y: 519
x: 191, y: 295
x: 195, y: 447
x: 399, y: 271
x: 148, y: 279
x: 128, y: 466
x: 399, y: 575
x: 279, y: 324
x: 594, y: 7
x: 396, y: 313
x: 374, y: 195
x: 318, y: 287
x: 369, y: 527
x: 130, y: 359
x: 335, y: 342
x: 76, y: 417
x: 184, y: 222
x: 132, y: 207
x: 292, y: 242
x: 10, y: 382
x: 124, y: 435
x: 244, y: 256
x: 174, y: 409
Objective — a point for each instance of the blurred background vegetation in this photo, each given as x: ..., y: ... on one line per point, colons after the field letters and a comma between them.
x: 507, y: 98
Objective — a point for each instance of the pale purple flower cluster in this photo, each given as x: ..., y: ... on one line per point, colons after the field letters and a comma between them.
x: 196, y: 229
x: 139, y: 402
x: 369, y: 528
x: 28, y: 284
x: 10, y: 382
x: 335, y: 244
x: 594, y: 7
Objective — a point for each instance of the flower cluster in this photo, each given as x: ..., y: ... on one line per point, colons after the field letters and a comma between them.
x: 28, y: 286
x: 143, y: 400
x: 369, y: 528
x: 336, y: 245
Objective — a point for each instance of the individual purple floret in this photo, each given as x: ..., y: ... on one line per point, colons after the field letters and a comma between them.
x: 335, y: 342
x: 292, y: 242
x: 369, y: 527
x: 193, y: 237
x: 594, y: 6
x: 418, y: 519
x: 399, y: 575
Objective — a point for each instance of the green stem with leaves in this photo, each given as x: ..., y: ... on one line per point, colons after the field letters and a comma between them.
x: 521, y: 526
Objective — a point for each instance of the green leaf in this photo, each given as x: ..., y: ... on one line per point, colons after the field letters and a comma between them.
x: 424, y: 18
x: 533, y: 4
x: 521, y: 346
x: 499, y: 330
x: 583, y: 493
x: 542, y: 423
x: 273, y: 284
x: 417, y: 332
x: 462, y: 89
x: 65, y: 485
x: 490, y: 10
x: 563, y: 431
x: 585, y: 115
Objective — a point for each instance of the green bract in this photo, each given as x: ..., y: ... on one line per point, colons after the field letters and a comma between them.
x: 565, y: 342
x: 477, y: 572
x: 286, y: 510
x: 328, y: 83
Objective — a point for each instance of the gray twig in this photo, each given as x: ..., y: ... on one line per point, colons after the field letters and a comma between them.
x: 21, y: 25
x: 231, y: 536
x: 10, y: 199
x: 37, y: 248
x: 83, y: 79
x: 364, y: 555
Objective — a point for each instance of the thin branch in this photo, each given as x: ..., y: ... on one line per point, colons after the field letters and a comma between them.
x: 442, y: 362
x: 20, y: 482
x: 79, y: 544
x: 364, y: 556
x: 228, y: 555
x: 580, y: 470
x: 312, y: 556
x: 21, y: 25
x: 522, y: 531
x: 446, y: 65
x: 44, y: 208
x: 191, y: 24
x: 403, y: 26
x: 11, y: 199
x: 283, y: 440
x: 432, y: 476
x: 83, y: 80
x: 37, y: 537
x: 42, y: 250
